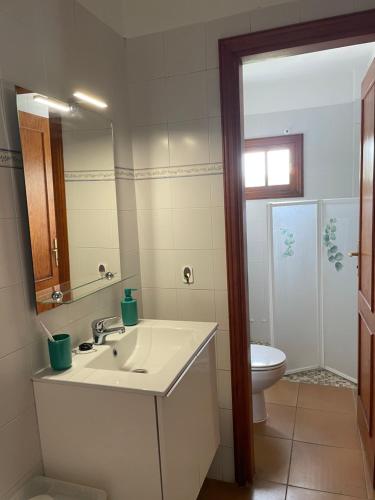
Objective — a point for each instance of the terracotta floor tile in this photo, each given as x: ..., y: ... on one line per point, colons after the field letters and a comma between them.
x: 282, y: 393
x: 261, y: 490
x: 272, y: 456
x: 368, y: 480
x: 326, y: 427
x: 320, y: 397
x: 325, y: 468
x: 280, y: 422
x: 301, y: 494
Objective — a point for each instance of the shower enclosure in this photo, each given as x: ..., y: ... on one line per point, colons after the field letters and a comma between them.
x: 313, y: 283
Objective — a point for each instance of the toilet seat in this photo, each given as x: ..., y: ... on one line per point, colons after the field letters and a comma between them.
x: 266, y: 358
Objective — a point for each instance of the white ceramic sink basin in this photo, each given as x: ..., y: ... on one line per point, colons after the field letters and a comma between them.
x: 146, y: 349
x: 150, y: 357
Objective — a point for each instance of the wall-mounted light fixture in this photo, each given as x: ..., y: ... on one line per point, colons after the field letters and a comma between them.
x: 90, y: 100
x: 53, y: 103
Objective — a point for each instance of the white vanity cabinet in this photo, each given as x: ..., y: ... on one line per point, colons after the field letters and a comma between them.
x: 189, y: 429
x: 135, y: 446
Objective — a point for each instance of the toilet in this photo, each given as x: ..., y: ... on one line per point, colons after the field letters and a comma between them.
x: 268, y: 365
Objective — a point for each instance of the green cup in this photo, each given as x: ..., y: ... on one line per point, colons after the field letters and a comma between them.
x: 60, y: 352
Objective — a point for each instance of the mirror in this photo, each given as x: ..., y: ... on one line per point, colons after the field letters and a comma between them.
x: 69, y: 173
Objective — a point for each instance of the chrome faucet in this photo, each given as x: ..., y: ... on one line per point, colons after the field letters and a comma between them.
x: 100, y: 330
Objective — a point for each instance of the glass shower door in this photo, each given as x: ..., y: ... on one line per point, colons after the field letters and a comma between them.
x: 339, y: 285
x: 294, y: 269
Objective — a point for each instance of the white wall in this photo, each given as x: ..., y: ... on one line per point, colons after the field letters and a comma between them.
x: 52, y: 47
x: 174, y: 98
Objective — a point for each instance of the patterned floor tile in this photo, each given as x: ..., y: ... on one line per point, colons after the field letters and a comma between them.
x: 320, y: 376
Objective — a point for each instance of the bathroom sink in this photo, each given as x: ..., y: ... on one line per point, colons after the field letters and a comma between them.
x: 150, y: 357
x: 130, y: 407
x: 145, y: 349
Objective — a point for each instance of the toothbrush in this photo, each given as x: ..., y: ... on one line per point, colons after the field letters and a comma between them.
x: 47, y: 332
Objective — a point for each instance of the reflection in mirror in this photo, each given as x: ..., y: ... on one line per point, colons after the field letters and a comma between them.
x: 71, y: 198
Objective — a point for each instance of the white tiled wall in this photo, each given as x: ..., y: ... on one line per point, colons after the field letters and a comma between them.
x: 181, y: 222
x: 176, y: 123
x: 50, y: 46
x: 174, y: 91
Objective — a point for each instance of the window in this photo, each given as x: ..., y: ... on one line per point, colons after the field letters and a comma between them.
x: 274, y: 167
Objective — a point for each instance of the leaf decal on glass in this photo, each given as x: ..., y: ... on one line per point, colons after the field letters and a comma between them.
x: 338, y: 266
x: 329, y: 238
x: 289, y: 241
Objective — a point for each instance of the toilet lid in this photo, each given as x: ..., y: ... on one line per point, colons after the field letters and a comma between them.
x: 265, y: 357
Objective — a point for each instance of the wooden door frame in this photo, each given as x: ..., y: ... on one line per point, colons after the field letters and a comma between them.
x: 300, y: 38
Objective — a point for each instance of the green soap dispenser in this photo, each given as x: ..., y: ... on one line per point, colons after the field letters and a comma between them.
x: 129, y: 308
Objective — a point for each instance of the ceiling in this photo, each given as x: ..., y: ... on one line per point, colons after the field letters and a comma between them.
x: 316, y: 79
x: 325, y: 62
x: 109, y: 12
x: 131, y: 18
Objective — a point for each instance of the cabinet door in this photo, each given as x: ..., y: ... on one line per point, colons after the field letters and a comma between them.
x: 189, y: 429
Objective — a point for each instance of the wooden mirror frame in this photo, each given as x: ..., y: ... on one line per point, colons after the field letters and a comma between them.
x: 300, y: 38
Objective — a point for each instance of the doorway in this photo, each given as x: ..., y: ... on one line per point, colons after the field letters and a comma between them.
x: 298, y: 39
x: 302, y: 132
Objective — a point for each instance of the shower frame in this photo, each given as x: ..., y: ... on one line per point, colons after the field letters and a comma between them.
x: 319, y: 292
x: 318, y: 295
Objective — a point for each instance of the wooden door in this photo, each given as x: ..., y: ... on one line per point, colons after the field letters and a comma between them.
x: 366, y: 303
x: 57, y: 151
x: 37, y: 161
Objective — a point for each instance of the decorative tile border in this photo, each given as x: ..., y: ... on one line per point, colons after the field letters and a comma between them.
x: 145, y: 173
x: 183, y: 171
x: 124, y: 173
x: 10, y: 159
x: 89, y: 175
x: 13, y: 159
